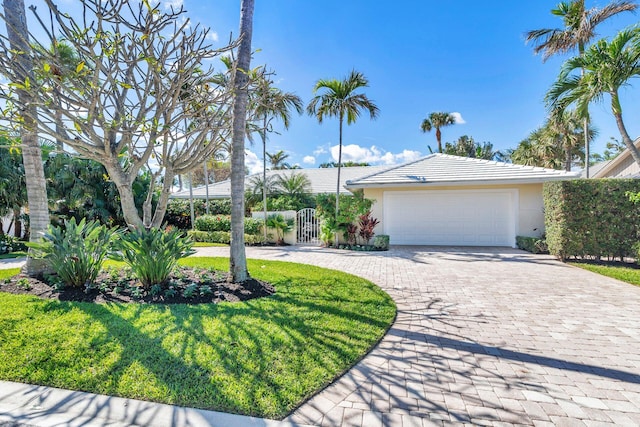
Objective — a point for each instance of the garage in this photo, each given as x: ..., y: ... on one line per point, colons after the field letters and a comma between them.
x: 460, y: 218
x: 458, y: 201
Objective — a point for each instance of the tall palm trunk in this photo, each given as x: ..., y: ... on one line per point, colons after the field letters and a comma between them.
x: 439, y: 139
x: 628, y: 142
x: 264, y: 174
x: 585, y: 123
x: 338, y: 183
x: 237, y: 257
x: 31, y: 154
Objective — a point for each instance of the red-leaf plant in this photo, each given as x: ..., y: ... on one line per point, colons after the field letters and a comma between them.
x: 367, y: 224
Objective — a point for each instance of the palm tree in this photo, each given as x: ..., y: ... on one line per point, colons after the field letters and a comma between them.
x: 605, y: 68
x: 437, y: 121
x: 466, y: 146
x: 31, y: 155
x: 272, y: 103
x: 278, y: 160
x: 294, y: 185
x: 579, y: 29
x: 238, y: 271
x: 565, y: 127
x: 339, y: 99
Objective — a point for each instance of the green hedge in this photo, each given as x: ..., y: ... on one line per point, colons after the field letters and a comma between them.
x: 585, y: 218
x: 223, y: 223
x: 223, y: 237
x: 179, y: 213
x: 535, y: 245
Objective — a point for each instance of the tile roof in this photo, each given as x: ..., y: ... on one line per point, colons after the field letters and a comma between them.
x: 323, y: 180
x: 444, y: 169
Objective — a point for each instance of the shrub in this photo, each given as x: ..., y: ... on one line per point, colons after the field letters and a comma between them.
x: 352, y: 231
x: 223, y: 237
x: 152, y: 254
x: 367, y: 223
x: 179, y: 212
x: 351, y: 207
x: 591, y: 218
x: 11, y: 244
x: 535, y: 245
x: 281, y: 225
x: 381, y: 242
x: 76, y: 251
x: 223, y: 223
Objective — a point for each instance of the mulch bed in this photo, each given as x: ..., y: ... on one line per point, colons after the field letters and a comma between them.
x: 185, y: 286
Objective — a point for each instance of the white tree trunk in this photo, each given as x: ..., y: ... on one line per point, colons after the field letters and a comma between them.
x: 237, y: 258
x: 31, y: 153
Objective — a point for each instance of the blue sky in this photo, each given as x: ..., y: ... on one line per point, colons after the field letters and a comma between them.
x: 419, y: 56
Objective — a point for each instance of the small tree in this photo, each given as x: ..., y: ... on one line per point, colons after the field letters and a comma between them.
x: 138, y: 99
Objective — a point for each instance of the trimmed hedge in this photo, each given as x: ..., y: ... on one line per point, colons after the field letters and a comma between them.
x: 591, y: 218
x: 535, y: 245
x: 179, y: 213
x: 223, y: 223
x: 223, y: 237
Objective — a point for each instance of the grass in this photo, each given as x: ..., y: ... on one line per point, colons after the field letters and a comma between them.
x: 625, y: 274
x: 208, y: 245
x: 17, y: 254
x: 262, y: 357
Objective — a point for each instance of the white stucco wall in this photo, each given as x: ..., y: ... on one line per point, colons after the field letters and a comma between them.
x: 530, y: 205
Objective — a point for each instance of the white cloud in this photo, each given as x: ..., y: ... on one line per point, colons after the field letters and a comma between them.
x: 319, y: 150
x: 309, y: 160
x: 458, y: 118
x: 252, y: 162
x: 213, y: 36
x: 373, y: 155
x: 176, y: 4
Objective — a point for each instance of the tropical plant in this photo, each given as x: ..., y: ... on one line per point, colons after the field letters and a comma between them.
x: 277, y: 160
x: 223, y: 223
x: 366, y: 225
x: 13, y: 195
x: 270, y: 103
x: 340, y: 99
x: 606, y: 67
x: 18, y: 66
x: 152, y: 254
x: 351, y: 207
x: 238, y: 271
x: 437, y: 120
x: 348, y: 164
x: 351, y: 231
x: 281, y: 225
x: 75, y: 251
x: 465, y: 146
x: 126, y: 105
x: 579, y: 29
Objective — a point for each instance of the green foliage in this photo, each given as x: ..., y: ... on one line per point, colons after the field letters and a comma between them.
x: 285, y: 202
x: 466, y: 146
x: 281, y: 225
x: 76, y: 251
x: 11, y: 244
x: 366, y: 224
x: 263, y: 357
x: 223, y: 223
x: 381, y: 242
x: 535, y: 245
x: 591, y: 218
x: 351, y: 207
x: 152, y: 254
x: 179, y: 212
x: 223, y: 237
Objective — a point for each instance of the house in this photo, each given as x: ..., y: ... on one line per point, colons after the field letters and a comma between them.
x: 450, y: 200
x: 622, y: 166
x: 323, y: 180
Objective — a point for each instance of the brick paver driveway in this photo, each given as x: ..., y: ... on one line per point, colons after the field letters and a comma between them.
x: 484, y: 336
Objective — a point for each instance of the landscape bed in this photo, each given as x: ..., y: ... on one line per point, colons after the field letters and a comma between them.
x: 261, y: 357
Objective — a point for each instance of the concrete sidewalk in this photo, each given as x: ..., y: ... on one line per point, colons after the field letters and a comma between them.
x: 28, y: 405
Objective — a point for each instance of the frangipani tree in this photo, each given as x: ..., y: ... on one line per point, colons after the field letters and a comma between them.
x: 139, y: 98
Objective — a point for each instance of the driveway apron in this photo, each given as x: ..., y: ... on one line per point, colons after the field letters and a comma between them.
x: 484, y: 336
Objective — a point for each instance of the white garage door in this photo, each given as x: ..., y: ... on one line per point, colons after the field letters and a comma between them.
x: 460, y: 218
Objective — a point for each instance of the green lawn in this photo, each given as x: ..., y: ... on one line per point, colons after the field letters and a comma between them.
x: 262, y: 357
x: 10, y: 255
x: 208, y: 245
x: 625, y: 274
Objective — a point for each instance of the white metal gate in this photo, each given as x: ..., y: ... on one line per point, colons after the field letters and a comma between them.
x: 307, y: 227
